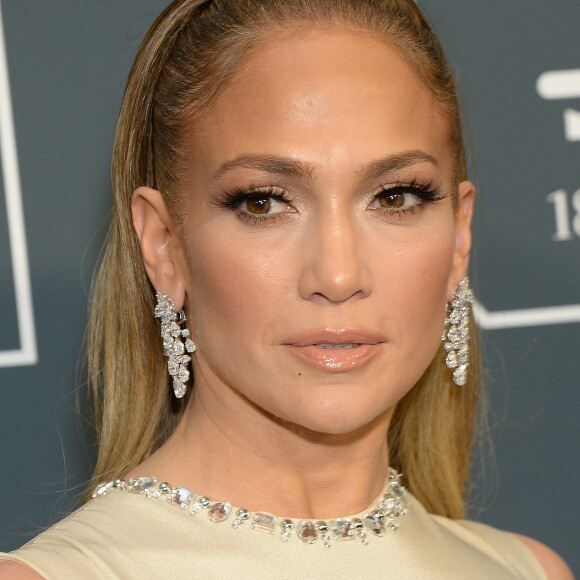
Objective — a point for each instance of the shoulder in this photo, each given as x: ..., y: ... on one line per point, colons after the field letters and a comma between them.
x: 553, y: 565
x: 103, y: 538
x: 502, y: 547
x: 17, y: 571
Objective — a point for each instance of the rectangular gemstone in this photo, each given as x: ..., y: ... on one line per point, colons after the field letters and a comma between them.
x: 264, y: 522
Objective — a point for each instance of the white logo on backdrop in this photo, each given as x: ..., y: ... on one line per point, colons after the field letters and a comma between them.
x: 525, y: 316
x: 563, y: 84
x: 27, y: 353
x: 551, y: 85
x: 557, y: 85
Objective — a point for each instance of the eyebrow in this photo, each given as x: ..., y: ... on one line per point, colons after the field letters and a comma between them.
x: 393, y: 163
x: 269, y: 164
x: 293, y: 168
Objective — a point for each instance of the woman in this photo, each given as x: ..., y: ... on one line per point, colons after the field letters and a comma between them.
x: 291, y: 175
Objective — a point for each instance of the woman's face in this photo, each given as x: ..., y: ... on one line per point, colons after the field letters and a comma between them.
x: 321, y: 243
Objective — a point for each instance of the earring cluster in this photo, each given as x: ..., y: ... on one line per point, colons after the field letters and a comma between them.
x: 173, y: 345
x: 456, y: 336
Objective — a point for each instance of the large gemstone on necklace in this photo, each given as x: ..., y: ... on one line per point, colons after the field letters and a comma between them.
x: 219, y: 511
x: 343, y: 530
x: 374, y: 523
x: 145, y: 483
x: 264, y: 522
x: 183, y: 497
x: 307, y: 532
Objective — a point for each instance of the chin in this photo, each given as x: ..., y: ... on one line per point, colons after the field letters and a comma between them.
x: 342, y: 426
x: 338, y: 417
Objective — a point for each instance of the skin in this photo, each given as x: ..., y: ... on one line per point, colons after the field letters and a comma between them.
x: 262, y: 421
x: 265, y: 429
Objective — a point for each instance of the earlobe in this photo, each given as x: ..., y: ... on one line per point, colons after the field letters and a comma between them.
x: 463, y: 217
x: 159, y: 248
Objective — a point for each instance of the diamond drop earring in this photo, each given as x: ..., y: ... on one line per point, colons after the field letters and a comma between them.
x: 173, y: 346
x: 457, y: 336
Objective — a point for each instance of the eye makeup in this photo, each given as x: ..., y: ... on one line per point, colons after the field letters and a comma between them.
x: 257, y: 205
x: 264, y: 205
x: 398, y: 199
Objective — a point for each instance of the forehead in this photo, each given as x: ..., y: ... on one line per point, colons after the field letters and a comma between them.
x: 325, y: 96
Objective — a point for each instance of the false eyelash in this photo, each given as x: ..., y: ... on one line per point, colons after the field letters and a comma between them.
x: 235, y: 197
x: 425, y: 191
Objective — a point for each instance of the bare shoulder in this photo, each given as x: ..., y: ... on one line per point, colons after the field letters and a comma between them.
x: 554, y: 566
x: 17, y: 571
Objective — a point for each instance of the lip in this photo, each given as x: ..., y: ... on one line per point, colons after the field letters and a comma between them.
x: 337, y: 359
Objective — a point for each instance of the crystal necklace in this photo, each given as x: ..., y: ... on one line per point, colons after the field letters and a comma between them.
x: 392, y: 504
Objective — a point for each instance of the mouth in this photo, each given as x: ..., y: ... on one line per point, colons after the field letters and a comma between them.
x: 337, y: 350
x: 327, y: 345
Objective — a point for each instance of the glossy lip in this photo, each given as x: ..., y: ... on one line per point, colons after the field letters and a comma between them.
x: 337, y: 359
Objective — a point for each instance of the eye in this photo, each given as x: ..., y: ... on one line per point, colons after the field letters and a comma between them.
x: 395, y: 199
x: 258, y: 205
x: 402, y: 198
x: 261, y: 206
x: 392, y: 200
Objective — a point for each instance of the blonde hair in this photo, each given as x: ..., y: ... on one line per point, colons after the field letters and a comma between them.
x: 189, y: 53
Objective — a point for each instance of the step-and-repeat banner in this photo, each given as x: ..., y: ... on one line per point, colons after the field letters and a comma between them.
x: 63, y: 65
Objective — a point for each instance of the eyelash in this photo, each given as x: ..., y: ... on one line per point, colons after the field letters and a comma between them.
x: 234, y: 198
x: 425, y: 192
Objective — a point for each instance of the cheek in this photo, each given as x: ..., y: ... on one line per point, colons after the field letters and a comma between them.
x: 415, y: 285
x: 236, y: 287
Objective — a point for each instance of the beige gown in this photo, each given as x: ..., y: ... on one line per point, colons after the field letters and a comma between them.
x: 126, y: 535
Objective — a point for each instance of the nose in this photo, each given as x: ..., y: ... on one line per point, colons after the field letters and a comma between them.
x: 334, y: 268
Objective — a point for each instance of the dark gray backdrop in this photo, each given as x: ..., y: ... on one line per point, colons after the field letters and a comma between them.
x: 68, y: 60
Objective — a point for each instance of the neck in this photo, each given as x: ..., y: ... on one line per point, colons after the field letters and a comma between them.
x: 240, y: 454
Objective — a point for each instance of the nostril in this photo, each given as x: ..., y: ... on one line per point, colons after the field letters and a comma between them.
x: 334, y: 265
x: 335, y: 282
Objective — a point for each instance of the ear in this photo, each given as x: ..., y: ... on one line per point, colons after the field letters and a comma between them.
x: 159, y: 244
x: 463, y: 216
